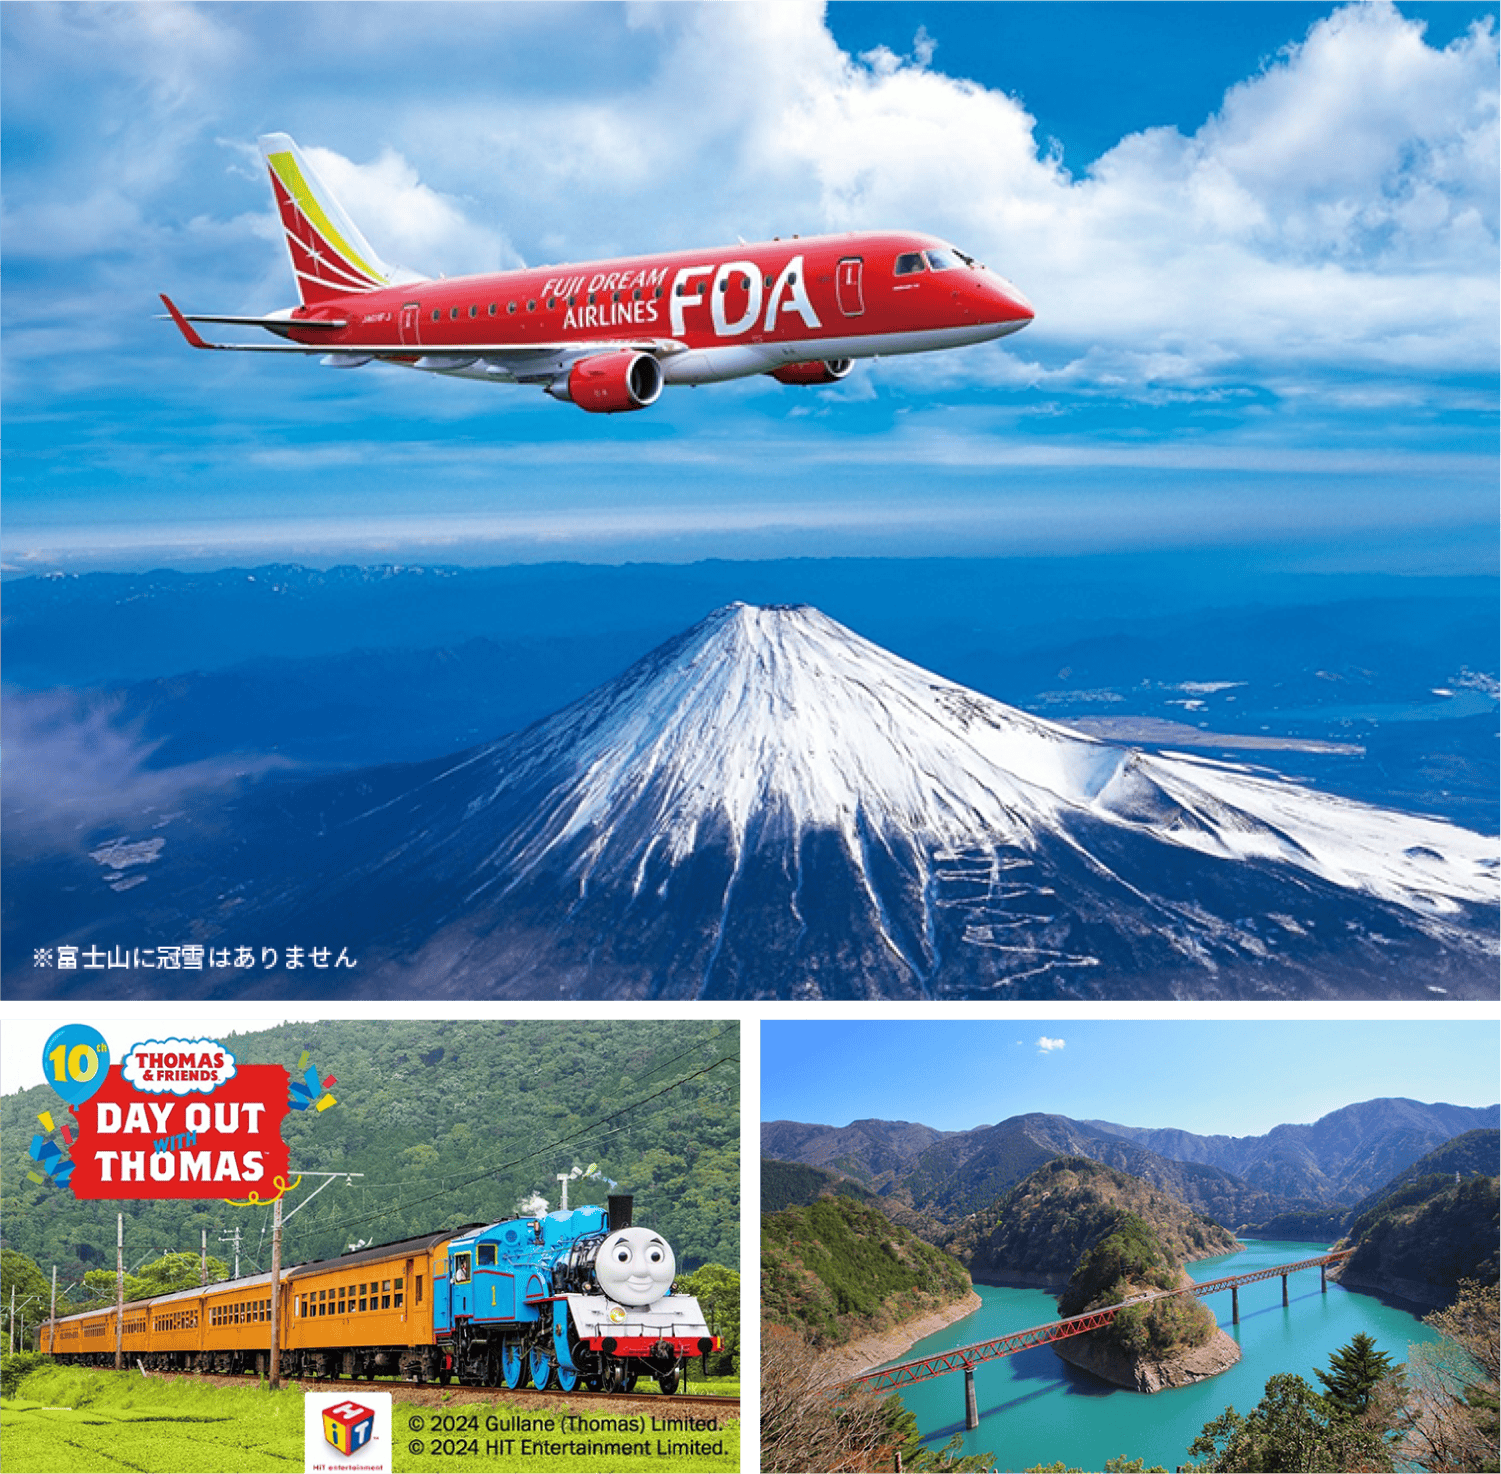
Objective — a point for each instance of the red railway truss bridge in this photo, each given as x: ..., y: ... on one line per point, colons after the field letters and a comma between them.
x: 966, y: 1358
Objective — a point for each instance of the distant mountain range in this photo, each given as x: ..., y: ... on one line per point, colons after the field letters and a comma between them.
x: 771, y: 806
x: 1234, y: 1180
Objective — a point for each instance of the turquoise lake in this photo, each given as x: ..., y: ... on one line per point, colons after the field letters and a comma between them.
x: 1037, y: 1409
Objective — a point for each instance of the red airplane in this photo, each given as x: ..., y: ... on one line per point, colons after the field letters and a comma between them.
x: 607, y: 335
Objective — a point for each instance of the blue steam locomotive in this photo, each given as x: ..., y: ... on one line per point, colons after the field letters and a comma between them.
x: 574, y: 1296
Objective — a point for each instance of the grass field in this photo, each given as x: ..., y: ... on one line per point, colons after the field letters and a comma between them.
x: 73, y: 1421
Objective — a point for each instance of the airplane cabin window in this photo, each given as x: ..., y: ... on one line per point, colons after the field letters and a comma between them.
x: 908, y: 263
x: 473, y: 311
x: 531, y: 306
x: 510, y: 306
x: 492, y: 309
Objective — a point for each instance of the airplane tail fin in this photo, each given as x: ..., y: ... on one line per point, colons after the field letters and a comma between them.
x: 330, y: 257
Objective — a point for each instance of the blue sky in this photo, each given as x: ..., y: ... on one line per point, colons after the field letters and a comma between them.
x: 1236, y: 1077
x: 1262, y: 241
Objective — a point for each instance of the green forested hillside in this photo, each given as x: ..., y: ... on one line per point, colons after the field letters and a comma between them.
x: 1429, y: 1234
x: 837, y: 1268
x: 1051, y: 1219
x: 450, y: 1122
x: 787, y: 1184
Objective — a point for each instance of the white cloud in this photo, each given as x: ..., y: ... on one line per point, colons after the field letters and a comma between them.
x: 1048, y: 1046
x: 1329, y: 235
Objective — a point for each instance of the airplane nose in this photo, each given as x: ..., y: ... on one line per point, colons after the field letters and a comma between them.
x: 1013, y: 304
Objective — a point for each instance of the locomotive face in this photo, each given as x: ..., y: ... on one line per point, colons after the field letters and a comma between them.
x: 635, y: 1266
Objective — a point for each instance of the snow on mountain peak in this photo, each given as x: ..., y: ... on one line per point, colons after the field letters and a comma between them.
x: 779, y: 718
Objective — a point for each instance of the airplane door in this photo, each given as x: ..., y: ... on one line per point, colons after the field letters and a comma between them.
x: 409, y: 314
x: 847, y: 283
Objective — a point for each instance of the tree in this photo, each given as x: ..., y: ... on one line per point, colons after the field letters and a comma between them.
x: 802, y: 1427
x: 1452, y: 1386
x: 1291, y: 1428
x: 1354, y: 1372
x: 178, y: 1270
x: 717, y: 1291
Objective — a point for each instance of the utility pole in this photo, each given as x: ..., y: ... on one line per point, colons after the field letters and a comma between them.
x: 52, y: 1311
x: 225, y: 1238
x: 120, y: 1292
x: 12, y: 1317
x: 274, y: 1366
x: 203, y: 1262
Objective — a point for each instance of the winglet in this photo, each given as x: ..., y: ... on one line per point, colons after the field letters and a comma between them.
x: 187, y: 329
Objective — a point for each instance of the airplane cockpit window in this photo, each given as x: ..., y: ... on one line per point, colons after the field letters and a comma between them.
x: 908, y: 263
x: 943, y: 260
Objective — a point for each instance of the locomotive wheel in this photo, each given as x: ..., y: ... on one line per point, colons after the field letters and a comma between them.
x: 628, y: 1382
x: 513, y: 1367
x: 541, y: 1369
x: 669, y: 1383
x: 568, y: 1378
x: 594, y: 1384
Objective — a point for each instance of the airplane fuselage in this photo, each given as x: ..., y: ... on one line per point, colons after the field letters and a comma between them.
x: 711, y: 314
x: 608, y: 335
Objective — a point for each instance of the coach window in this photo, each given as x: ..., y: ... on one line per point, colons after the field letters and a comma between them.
x: 400, y: 1299
x: 909, y: 263
x: 362, y: 1297
x: 419, y: 1289
x: 385, y: 1299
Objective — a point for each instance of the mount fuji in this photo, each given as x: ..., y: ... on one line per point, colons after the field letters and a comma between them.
x: 770, y: 806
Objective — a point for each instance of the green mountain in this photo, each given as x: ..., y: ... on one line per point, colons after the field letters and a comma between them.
x: 1474, y: 1154
x: 449, y: 1122
x: 1420, y: 1239
x: 791, y: 1184
x: 1040, y: 1230
x: 838, y: 1269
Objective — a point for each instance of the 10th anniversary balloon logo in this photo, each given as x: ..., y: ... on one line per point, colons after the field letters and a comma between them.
x: 174, y: 1118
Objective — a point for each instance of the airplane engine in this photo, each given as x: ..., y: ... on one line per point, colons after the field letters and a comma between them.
x: 820, y: 371
x: 611, y: 382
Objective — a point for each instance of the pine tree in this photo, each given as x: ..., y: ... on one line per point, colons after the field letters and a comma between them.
x: 1354, y: 1371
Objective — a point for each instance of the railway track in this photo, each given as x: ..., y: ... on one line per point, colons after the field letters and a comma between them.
x: 433, y: 1394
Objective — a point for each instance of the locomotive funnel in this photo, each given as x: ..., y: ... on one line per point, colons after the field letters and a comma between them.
x: 620, y: 1211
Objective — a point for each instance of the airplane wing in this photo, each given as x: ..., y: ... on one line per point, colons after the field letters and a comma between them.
x: 513, y: 362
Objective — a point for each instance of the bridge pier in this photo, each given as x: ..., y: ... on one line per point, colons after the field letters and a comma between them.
x: 1234, y: 1305
x: 971, y: 1406
x: 1323, y: 1279
x: 1284, y: 1292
